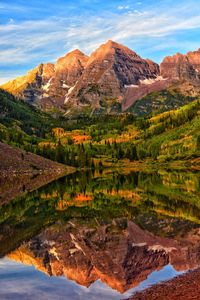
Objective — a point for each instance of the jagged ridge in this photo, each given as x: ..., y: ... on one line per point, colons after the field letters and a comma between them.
x: 110, y: 80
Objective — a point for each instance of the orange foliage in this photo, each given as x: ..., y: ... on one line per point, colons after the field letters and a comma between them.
x: 78, y: 139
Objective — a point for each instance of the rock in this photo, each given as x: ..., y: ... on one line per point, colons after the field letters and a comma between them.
x: 110, y: 70
x: 109, y: 81
x: 76, y: 80
x: 17, y: 161
x: 182, y: 67
x: 46, y: 85
x: 70, y: 67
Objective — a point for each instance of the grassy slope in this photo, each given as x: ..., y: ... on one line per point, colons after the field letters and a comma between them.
x: 172, y: 135
x: 23, y: 115
x: 16, y: 160
x: 22, y: 124
x: 158, y: 102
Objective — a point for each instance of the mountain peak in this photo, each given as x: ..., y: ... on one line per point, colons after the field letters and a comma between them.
x: 73, y: 62
x: 72, y: 56
x: 109, y: 71
x: 76, y: 52
x: 110, y: 49
x: 114, y: 45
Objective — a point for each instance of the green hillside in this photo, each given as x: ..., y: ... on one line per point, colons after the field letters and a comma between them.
x: 172, y: 135
x: 104, y: 140
x: 158, y: 102
x: 14, y: 112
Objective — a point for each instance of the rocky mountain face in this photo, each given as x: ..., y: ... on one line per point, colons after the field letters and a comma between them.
x: 110, y: 71
x: 70, y: 67
x: 76, y: 81
x: 111, y: 80
x: 182, y: 67
x: 17, y: 161
x: 67, y: 70
x: 120, y: 254
x: 46, y: 85
x: 30, y: 86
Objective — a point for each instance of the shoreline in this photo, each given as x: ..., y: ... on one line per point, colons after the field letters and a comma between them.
x: 182, y: 287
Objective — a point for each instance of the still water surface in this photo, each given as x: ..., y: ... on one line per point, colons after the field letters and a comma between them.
x: 98, y: 236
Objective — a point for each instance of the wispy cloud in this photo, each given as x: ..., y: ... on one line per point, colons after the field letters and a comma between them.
x: 37, y: 285
x: 34, y: 41
x: 122, y: 7
x: 4, y: 6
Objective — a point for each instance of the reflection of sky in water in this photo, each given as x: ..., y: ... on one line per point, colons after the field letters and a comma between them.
x: 19, y: 282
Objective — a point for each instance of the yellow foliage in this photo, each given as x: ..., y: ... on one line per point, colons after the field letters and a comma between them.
x: 58, y: 132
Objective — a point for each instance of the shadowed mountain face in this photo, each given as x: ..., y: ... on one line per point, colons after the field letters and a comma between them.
x: 186, y: 286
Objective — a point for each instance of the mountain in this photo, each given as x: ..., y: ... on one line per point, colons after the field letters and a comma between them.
x: 46, y: 85
x: 70, y: 67
x: 182, y: 67
x: 111, y: 80
x: 30, y: 86
x: 181, y: 78
x: 110, y: 71
x: 100, y: 81
x: 67, y: 70
x: 119, y: 253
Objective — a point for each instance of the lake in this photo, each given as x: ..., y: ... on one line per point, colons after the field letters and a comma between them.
x: 97, y: 235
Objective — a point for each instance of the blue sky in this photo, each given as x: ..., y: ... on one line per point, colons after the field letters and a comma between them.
x: 37, y: 285
x: 33, y: 31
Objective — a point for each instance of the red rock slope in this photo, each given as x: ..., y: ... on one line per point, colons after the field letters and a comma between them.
x: 14, y: 160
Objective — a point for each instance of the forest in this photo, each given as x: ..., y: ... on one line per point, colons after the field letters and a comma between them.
x: 102, y: 140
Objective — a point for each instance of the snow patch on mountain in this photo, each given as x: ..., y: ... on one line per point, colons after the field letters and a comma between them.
x: 69, y: 93
x: 130, y: 86
x: 46, y: 86
x: 152, y: 80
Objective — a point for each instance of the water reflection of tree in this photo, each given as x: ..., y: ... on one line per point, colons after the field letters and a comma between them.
x: 145, y: 198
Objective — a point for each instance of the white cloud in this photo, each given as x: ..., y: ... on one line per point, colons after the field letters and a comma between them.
x: 32, y: 42
x: 122, y: 7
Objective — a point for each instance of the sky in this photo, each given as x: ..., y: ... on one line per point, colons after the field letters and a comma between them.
x: 37, y: 285
x: 39, y: 31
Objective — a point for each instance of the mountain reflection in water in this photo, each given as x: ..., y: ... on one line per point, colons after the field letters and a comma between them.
x: 115, y: 227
